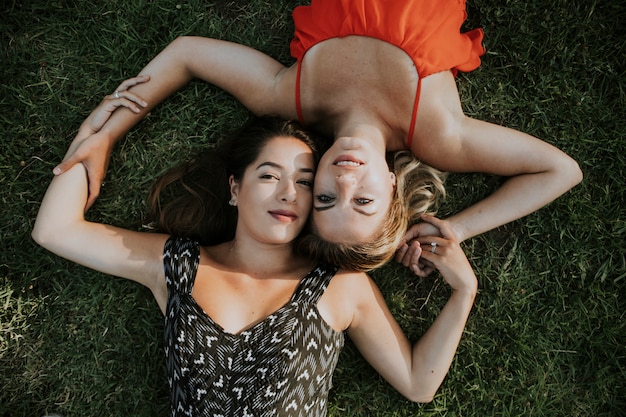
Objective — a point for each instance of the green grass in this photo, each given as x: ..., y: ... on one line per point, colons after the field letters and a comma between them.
x: 547, y: 336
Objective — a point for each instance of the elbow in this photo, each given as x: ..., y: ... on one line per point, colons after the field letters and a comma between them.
x: 570, y: 172
x: 41, y: 235
x: 422, y: 400
x: 421, y: 394
x: 574, y: 172
x: 421, y: 397
x: 179, y: 42
x: 46, y: 234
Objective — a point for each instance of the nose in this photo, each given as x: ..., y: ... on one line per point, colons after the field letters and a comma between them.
x: 288, y: 192
x: 345, y: 181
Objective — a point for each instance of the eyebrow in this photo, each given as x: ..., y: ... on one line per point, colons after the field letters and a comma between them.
x: 324, y: 208
x: 278, y: 166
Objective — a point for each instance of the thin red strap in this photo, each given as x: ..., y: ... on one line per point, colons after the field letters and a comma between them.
x: 414, y: 114
x: 298, y: 105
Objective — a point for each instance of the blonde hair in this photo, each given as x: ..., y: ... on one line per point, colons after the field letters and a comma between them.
x: 418, y: 190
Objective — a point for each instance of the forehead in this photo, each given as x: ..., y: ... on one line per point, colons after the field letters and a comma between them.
x: 285, y: 152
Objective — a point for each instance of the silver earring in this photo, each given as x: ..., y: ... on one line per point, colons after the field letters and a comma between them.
x: 232, y: 202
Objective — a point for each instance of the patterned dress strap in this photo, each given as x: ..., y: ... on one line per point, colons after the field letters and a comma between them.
x: 315, y: 283
x: 181, y: 258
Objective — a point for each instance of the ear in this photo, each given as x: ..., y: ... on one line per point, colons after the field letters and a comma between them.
x: 234, y: 189
x: 392, y: 177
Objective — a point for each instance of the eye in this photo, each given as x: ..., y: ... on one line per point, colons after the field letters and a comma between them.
x: 268, y: 177
x: 323, y: 198
x: 363, y: 201
x: 306, y: 183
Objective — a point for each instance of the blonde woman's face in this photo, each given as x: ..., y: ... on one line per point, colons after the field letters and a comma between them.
x: 352, y: 193
x: 275, y: 194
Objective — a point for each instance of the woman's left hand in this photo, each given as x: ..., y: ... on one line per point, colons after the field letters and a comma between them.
x: 92, y: 146
x: 122, y: 97
x: 409, y: 253
x: 446, y: 255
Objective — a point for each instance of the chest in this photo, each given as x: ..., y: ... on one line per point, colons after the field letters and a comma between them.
x: 236, y: 303
x: 343, y: 74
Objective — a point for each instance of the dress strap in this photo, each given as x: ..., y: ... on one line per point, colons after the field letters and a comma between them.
x: 314, y: 284
x: 181, y: 258
x: 298, y: 103
x: 416, y: 103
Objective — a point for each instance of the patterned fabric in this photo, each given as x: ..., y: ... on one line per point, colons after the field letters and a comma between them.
x: 282, y: 366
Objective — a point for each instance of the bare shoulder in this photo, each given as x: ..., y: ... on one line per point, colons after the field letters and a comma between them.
x: 348, y: 292
x: 351, y: 278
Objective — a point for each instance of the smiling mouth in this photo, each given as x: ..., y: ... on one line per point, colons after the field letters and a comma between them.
x: 284, y: 216
x: 347, y: 161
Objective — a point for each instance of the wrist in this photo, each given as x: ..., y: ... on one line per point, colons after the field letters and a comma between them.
x: 106, y: 135
x: 461, y: 232
x: 467, y: 294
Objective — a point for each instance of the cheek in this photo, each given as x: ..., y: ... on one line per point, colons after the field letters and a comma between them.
x: 321, y: 178
x: 305, y: 199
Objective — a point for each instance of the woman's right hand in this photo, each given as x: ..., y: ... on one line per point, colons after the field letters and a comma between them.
x: 92, y: 146
x: 446, y: 255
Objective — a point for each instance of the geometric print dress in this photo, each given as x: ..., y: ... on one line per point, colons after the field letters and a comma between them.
x: 282, y: 366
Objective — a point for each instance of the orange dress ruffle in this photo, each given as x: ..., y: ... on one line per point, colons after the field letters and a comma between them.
x: 429, y: 31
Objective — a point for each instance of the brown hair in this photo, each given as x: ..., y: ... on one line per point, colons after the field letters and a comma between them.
x: 196, y: 194
x: 418, y: 190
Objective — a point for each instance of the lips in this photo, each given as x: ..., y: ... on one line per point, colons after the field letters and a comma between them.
x: 347, y: 161
x: 284, y: 216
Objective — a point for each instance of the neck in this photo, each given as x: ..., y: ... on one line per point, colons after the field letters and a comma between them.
x: 259, y: 259
x: 365, y: 128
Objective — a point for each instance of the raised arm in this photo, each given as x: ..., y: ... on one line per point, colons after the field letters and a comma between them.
x: 62, y: 229
x: 249, y: 75
x: 418, y: 370
x: 537, y: 172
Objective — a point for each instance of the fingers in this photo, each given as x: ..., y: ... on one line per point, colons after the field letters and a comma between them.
x: 126, y: 99
x: 66, y: 165
x: 131, y: 82
x: 410, y: 255
x: 122, y: 97
x: 434, y: 246
x: 94, y: 192
x: 442, y: 225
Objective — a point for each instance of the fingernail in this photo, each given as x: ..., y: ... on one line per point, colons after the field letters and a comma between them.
x: 56, y: 171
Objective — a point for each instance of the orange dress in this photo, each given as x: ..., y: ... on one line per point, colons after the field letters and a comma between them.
x: 429, y: 31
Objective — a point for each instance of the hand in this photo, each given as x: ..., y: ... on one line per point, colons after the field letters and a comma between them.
x: 91, y: 146
x: 409, y: 253
x: 122, y: 97
x: 445, y: 254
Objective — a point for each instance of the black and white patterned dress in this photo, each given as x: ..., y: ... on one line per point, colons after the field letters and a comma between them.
x: 282, y: 366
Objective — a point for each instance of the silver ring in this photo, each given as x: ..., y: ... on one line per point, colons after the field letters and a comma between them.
x: 116, y: 94
x: 433, y: 246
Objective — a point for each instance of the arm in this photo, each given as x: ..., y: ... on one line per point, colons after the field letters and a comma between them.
x: 417, y: 371
x: 450, y: 141
x: 61, y: 228
x: 538, y: 174
x: 251, y: 76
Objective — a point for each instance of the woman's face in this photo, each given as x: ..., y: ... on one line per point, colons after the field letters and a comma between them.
x: 275, y: 194
x: 352, y: 193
